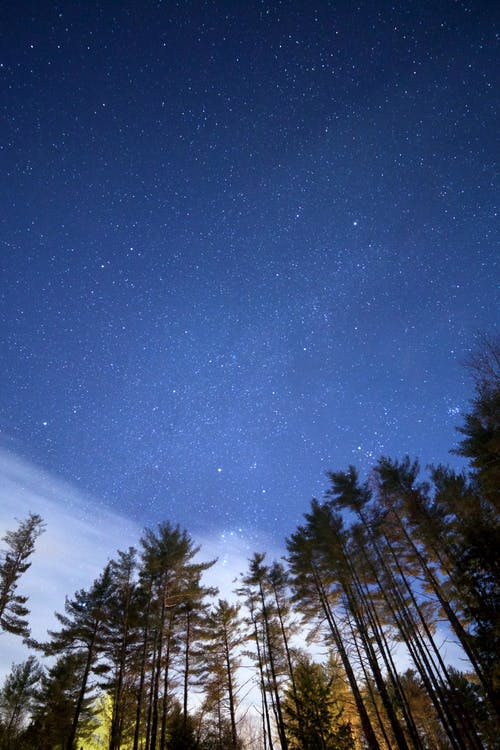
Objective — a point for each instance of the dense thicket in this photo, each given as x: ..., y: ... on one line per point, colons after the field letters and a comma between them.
x: 340, y: 646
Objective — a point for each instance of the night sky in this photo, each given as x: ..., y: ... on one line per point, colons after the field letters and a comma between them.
x: 242, y: 243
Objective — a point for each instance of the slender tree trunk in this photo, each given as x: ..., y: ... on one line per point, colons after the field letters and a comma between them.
x: 455, y: 623
x: 279, y: 713
x: 260, y: 664
x: 150, y: 695
x: 368, y: 682
x: 116, y: 718
x: 373, y: 661
x: 142, y: 674
x: 156, y: 678
x: 186, y: 674
x: 422, y: 658
x: 368, y: 730
x: 433, y: 674
x: 232, y: 712
x: 166, y: 678
x: 291, y: 669
x: 81, y: 694
x: 455, y: 717
x: 384, y: 649
x: 264, y: 731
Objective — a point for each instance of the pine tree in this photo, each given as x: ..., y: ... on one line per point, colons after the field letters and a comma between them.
x: 335, y: 548
x: 222, y: 650
x: 120, y: 643
x: 192, y: 623
x: 17, y: 700
x: 451, y: 544
x: 317, y: 594
x: 271, y: 652
x: 316, y: 714
x: 14, y: 561
x: 481, y: 431
x: 279, y: 583
x: 56, y: 702
x: 398, y: 566
x: 256, y: 635
x: 82, y: 632
x: 172, y: 582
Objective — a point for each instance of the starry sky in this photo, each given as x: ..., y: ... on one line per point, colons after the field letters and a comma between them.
x: 242, y: 243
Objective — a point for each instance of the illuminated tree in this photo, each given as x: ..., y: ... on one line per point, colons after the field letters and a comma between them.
x: 82, y: 633
x: 316, y: 711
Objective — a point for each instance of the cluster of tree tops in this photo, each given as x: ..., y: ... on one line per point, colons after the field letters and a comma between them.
x: 388, y: 567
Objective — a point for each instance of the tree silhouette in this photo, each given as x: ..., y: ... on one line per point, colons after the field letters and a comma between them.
x: 14, y: 561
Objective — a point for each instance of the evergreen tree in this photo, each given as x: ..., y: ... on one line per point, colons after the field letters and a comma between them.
x: 453, y: 538
x: 192, y: 622
x: 481, y: 431
x: 398, y: 567
x: 271, y: 657
x: 181, y: 729
x: 14, y: 561
x: 121, y: 643
x: 316, y: 714
x: 279, y: 583
x: 341, y: 558
x: 222, y: 649
x: 426, y: 720
x: 56, y: 702
x: 172, y: 582
x: 380, y: 562
x: 82, y: 632
x: 256, y: 635
x: 317, y: 594
x: 17, y: 700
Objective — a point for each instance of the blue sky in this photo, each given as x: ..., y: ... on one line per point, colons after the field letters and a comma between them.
x: 240, y: 247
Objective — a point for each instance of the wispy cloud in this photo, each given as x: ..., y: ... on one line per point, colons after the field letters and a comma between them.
x: 81, y: 535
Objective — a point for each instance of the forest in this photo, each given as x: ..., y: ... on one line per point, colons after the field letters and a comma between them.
x: 337, y: 646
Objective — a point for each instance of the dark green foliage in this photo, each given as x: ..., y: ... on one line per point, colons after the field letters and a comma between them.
x: 181, y: 734
x: 314, y: 716
x: 174, y: 604
x: 83, y: 634
x: 17, y: 701
x: 465, y: 687
x: 481, y: 431
x: 56, y: 702
x: 217, y: 736
x: 14, y: 561
x: 383, y: 563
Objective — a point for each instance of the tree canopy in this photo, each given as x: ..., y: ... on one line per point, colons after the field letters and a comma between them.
x: 381, y: 571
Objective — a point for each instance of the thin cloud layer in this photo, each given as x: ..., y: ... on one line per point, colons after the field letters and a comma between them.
x: 81, y: 535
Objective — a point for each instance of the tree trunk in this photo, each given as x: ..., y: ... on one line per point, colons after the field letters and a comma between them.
x: 81, y: 694
x: 368, y: 731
